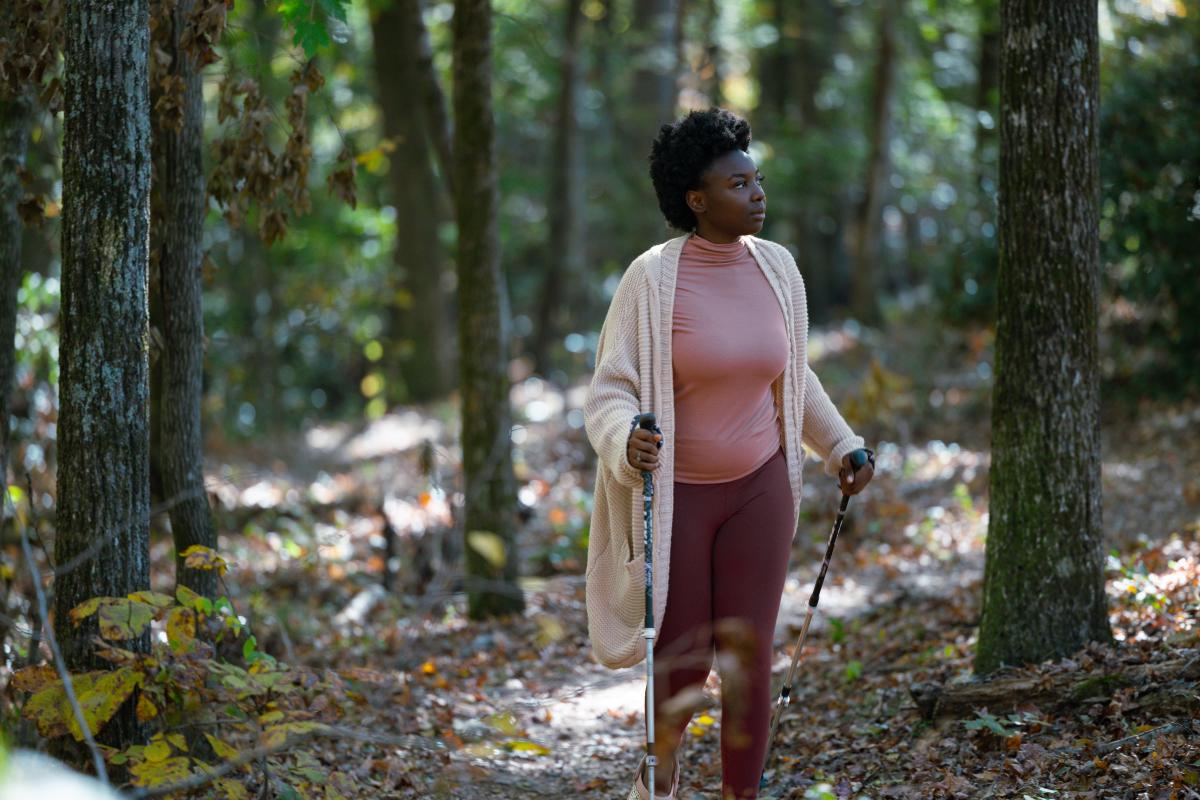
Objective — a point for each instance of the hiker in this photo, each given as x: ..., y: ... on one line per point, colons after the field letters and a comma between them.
x: 709, y: 332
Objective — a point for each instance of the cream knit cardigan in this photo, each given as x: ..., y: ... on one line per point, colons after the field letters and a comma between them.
x: 633, y: 375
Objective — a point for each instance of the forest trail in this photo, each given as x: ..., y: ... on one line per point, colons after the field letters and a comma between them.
x: 519, y: 708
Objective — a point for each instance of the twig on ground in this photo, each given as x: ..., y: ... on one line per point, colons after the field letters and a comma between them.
x: 1153, y: 733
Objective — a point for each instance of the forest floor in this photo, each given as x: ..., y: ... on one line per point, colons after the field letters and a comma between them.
x: 517, y: 708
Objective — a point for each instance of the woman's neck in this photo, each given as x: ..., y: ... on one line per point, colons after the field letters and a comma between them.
x: 716, y: 236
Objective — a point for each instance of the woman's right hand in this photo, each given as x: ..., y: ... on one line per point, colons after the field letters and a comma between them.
x: 642, y: 450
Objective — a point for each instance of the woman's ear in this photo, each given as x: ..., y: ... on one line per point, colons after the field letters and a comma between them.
x: 695, y: 200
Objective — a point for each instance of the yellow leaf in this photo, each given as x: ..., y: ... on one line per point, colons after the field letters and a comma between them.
x: 233, y: 789
x: 178, y: 740
x: 429, y: 668
x: 158, y: 773
x: 87, y: 608
x: 32, y: 679
x: 181, y: 629
x: 145, y: 708
x: 505, y: 723
x: 156, y: 599
x: 100, y: 695
x: 488, y: 545
x: 522, y: 746
x: 220, y: 748
x: 157, y: 751
x: 270, y: 716
x: 705, y: 720
x: 277, y: 735
x: 200, y: 557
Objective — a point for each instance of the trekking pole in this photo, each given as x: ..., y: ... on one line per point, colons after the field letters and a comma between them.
x: 647, y: 422
x: 857, y: 459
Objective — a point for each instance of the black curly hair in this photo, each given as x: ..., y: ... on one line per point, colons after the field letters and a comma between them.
x: 684, y: 150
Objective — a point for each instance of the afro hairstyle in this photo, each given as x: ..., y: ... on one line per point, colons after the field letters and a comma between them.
x: 684, y: 150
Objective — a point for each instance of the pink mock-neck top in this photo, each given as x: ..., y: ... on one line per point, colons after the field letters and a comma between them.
x: 728, y: 344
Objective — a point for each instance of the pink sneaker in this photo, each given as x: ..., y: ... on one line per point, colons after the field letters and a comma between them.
x: 639, y: 791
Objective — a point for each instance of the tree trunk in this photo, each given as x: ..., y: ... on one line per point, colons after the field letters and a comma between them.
x: 711, y: 73
x: 818, y: 32
x: 651, y: 104
x: 103, y: 435
x: 420, y: 319
x: 563, y: 259
x: 16, y: 120
x: 865, y: 283
x: 483, y: 323
x: 985, y: 98
x: 180, y: 185
x: 1043, y: 593
x: 437, y: 125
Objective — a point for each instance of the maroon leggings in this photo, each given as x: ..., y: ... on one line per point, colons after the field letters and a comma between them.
x: 729, y: 557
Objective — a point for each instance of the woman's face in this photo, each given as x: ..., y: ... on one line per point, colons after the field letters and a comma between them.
x: 730, y: 201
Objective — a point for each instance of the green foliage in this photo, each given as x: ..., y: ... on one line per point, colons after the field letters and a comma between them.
x: 207, y: 671
x: 985, y: 721
x: 1150, y: 174
x: 309, y: 19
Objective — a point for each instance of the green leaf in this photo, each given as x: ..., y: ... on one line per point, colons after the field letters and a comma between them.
x: 122, y: 618
x: 249, y: 649
x: 193, y: 601
x: 334, y: 8
x: 986, y: 720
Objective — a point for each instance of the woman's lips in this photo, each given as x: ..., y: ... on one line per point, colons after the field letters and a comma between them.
x: 759, y: 213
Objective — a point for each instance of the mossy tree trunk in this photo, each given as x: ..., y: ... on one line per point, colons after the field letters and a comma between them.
x: 103, y: 428
x: 419, y: 322
x: 865, y: 282
x: 1043, y: 593
x: 483, y: 327
x: 563, y: 263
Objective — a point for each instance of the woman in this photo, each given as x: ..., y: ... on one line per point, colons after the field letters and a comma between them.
x: 709, y: 331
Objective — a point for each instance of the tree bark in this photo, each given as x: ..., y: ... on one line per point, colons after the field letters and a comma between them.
x: 986, y: 94
x: 652, y: 102
x: 1043, y: 594
x: 103, y: 435
x: 16, y: 121
x: 711, y: 72
x: 483, y: 323
x: 865, y: 282
x: 563, y: 259
x: 182, y: 198
x: 420, y: 319
x: 437, y: 124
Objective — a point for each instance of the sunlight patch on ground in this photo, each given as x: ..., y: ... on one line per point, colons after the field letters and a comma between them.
x: 392, y: 433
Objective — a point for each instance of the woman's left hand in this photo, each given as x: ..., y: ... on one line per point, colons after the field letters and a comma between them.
x: 854, y: 481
